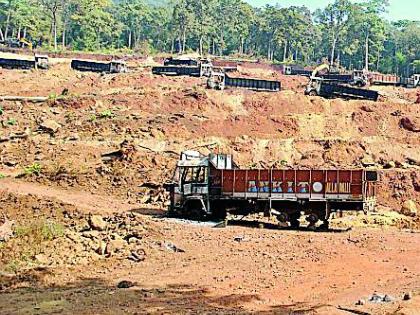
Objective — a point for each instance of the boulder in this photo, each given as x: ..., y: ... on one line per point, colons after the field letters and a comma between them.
x: 409, y: 208
x: 101, y: 248
x: 50, y: 126
x: 6, y: 230
x: 390, y: 164
x: 42, y: 259
x: 125, y: 284
x: 96, y: 222
x: 115, y: 246
x: 410, y: 124
x: 367, y: 161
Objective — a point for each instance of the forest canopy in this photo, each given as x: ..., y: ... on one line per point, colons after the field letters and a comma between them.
x: 347, y: 33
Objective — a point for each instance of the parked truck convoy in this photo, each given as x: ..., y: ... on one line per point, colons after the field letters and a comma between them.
x: 213, y: 186
x: 38, y: 62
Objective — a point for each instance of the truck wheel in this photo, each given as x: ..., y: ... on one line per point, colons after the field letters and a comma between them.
x: 325, y: 225
x: 294, y: 220
x: 313, y: 93
x: 193, y: 210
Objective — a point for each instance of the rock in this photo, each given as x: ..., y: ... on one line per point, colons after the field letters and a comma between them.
x: 413, y: 161
x: 91, y: 234
x: 145, y: 199
x: 172, y: 247
x: 409, y: 208
x: 101, y: 248
x: 409, y: 124
x: 6, y: 230
x: 366, y: 109
x: 361, y: 302
x: 115, y: 246
x: 42, y: 259
x: 408, y: 296
x: 379, y: 298
x: 137, y: 255
x: 73, y: 236
x: 390, y: 164
x: 125, y: 284
x: 74, y: 137
x: 388, y: 298
x: 96, y: 222
x: 50, y: 126
x: 367, y: 161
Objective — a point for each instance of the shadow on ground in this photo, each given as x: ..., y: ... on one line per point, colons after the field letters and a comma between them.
x: 97, y: 296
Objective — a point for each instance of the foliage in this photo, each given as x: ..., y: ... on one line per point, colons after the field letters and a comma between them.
x: 348, y: 33
x: 35, y: 168
x: 40, y: 231
x: 107, y: 113
x: 11, y: 122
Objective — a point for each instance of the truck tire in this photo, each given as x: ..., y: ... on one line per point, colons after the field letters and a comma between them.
x: 294, y: 220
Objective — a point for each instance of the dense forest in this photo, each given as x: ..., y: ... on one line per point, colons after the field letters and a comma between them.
x: 354, y: 35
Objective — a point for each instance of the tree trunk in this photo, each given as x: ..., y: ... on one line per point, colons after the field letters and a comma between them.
x: 201, y: 45
x: 172, y: 45
x: 130, y: 38
x: 184, y: 40
x: 55, y: 31
x: 333, y: 49
x: 1, y: 34
x: 63, y: 42
x: 6, y: 29
x: 285, y: 51
x: 367, y: 52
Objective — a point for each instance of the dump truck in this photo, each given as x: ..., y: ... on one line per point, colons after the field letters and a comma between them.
x: 114, y: 66
x: 411, y: 82
x: 220, y: 80
x: 181, y: 62
x: 357, y: 77
x: 390, y: 79
x: 213, y: 186
x: 331, y: 89
x: 293, y: 70
x: 202, y: 69
x: 39, y: 62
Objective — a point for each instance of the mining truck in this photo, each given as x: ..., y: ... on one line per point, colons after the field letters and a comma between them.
x: 114, y: 66
x: 220, y: 80
x: 331, y: 89
x: 199, y: 70
x: 411, y: 82
x: 171, y: 61
x: 213, y: 186
x: 39, y: 62
x: 389, y: 79
x: 357, y: 77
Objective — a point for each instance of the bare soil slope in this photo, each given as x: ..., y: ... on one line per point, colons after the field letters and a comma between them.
x: 104, y: 145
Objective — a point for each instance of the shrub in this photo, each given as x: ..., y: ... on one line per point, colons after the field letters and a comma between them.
x: 107, y: 113
x: 35, y: 168
x: 11, y: 121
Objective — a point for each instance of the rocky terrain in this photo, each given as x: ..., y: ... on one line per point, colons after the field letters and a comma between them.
x: 81, y: 192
